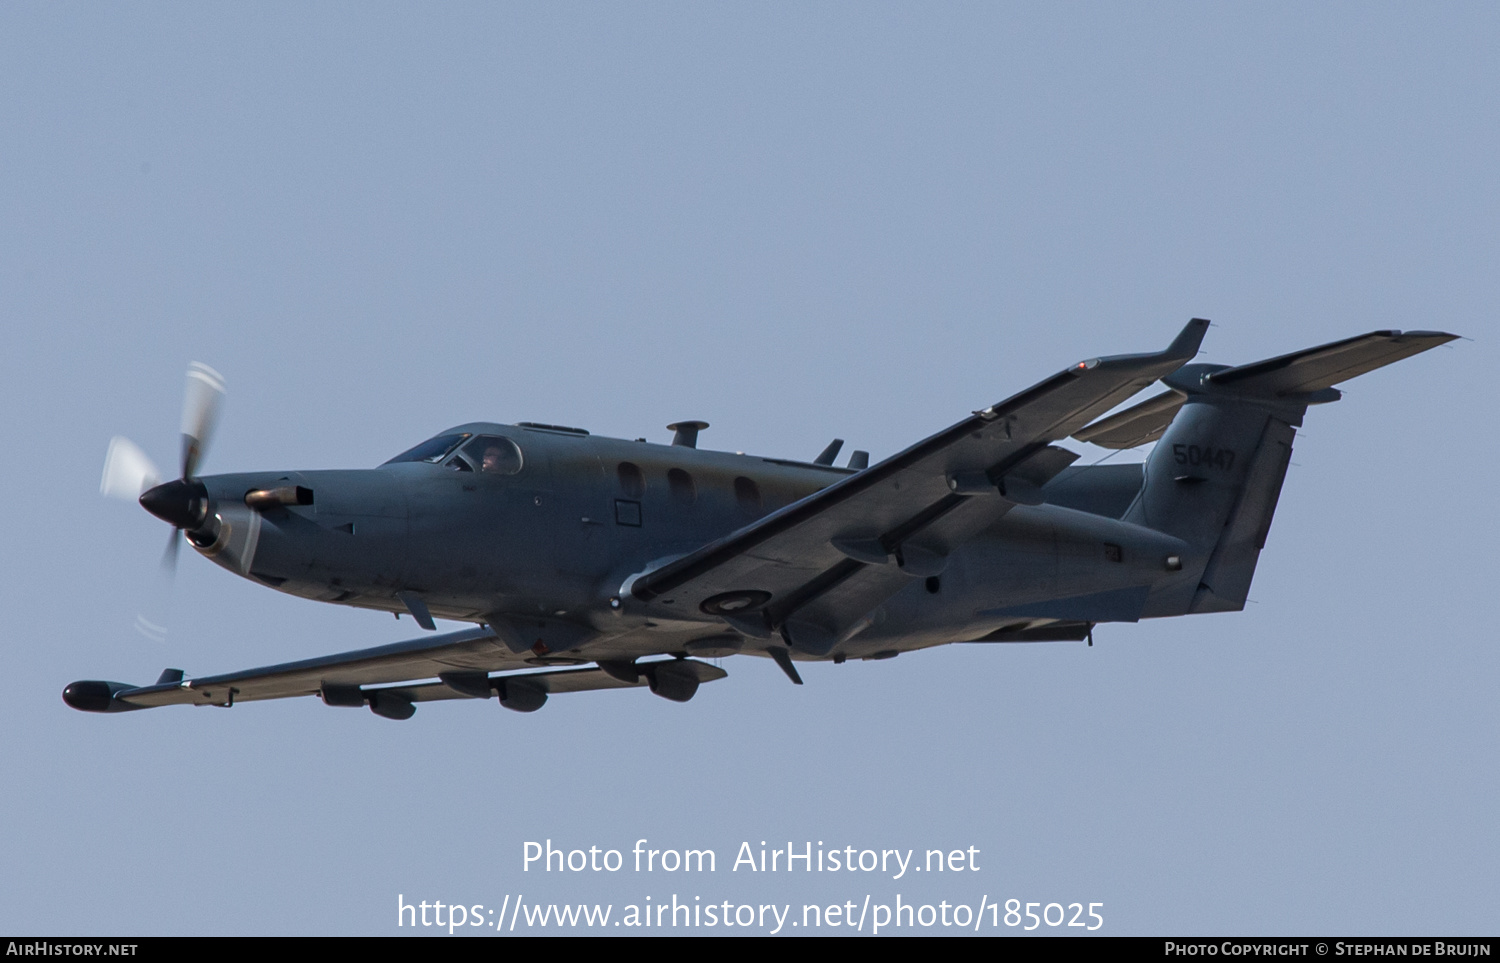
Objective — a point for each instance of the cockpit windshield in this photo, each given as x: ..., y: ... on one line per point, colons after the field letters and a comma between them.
x: 432, y: 450
x: 488, y: 454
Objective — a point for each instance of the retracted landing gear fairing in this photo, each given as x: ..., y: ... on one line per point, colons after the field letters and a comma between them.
x: 595, y: 563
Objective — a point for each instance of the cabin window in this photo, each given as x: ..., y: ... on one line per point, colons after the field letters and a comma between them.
x: 632, y: 482
x: 747, y: 493
x: 680, y: 484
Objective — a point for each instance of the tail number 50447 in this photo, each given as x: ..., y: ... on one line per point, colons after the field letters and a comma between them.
x: 1206, y: 456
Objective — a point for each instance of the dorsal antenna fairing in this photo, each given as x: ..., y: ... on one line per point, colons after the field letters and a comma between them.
x: 686, y: 433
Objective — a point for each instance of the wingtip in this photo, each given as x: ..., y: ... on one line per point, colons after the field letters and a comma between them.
x: 1441, y: 337
x: 1189, y: 339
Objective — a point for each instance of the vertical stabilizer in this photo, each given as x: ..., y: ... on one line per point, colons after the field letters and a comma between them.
x: 1213, y: 481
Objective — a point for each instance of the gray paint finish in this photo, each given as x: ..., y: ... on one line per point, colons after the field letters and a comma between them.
x: 951, y: 540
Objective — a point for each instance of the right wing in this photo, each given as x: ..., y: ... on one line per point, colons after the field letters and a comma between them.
x: 468, y: 650
x: 453, y: 665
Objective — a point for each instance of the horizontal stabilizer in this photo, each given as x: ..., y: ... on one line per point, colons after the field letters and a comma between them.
x: 1297, y: 377
x: 1314, y: 369
x: 1115, y: 605
x: 1047, y: 632
x: 1136, y: 425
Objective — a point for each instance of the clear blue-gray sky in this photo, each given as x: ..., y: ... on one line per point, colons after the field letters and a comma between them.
x: 794, y: 222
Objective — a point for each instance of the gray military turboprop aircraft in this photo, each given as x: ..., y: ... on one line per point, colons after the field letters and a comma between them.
x: 596, y: 563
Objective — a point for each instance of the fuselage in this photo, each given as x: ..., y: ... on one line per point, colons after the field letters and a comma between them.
x: 567, y: 518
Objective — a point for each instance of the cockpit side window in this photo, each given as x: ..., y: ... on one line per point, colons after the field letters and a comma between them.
x: 432, y: 450
x: 489, y: 455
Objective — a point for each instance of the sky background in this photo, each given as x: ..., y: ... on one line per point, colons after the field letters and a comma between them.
x: 795, y: 222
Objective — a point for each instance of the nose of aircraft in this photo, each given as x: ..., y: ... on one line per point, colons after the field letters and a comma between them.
x: 181, y: 503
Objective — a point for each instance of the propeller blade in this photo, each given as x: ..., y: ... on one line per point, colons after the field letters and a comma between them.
x: 128, y: 472
x: 200, y: 411
x: 154, y: 626
x: 149, y: 629
x: 169, y: 557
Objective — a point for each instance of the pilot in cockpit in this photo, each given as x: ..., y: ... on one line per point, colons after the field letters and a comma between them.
x: 492, y: 454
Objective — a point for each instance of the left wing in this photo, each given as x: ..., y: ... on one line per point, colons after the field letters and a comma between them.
x: 811, y: 570
x: 389, y: 678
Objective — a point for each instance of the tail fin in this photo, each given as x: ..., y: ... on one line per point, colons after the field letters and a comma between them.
x: 1226, y: 434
